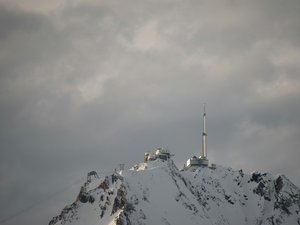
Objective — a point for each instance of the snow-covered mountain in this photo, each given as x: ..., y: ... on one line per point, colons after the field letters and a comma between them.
x: 157, y: 192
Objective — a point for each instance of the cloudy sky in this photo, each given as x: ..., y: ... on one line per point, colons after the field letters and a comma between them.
x: 86, y: 85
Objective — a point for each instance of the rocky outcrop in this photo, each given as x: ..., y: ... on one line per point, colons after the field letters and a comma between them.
x: 158, y: 193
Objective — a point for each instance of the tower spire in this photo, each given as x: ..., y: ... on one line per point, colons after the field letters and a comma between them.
x: 202, y: 160
x: 204, y: 135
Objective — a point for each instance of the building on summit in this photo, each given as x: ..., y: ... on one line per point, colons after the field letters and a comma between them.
x: 194, y: 162
x: 160, y: 153
x: 202, y: 160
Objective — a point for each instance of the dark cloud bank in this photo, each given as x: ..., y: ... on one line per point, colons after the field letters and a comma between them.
x: 89, y: 85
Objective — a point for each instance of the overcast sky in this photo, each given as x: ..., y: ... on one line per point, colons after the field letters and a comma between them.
x: 86, y: 85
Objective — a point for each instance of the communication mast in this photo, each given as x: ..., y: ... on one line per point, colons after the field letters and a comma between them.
x: 202, y: 160
x: 204, y: 135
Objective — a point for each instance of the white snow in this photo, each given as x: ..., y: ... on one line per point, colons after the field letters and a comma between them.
x: 156, y: 192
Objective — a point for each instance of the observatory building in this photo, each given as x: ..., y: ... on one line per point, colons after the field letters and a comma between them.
x: 160, y: 153
x: 202, y: 160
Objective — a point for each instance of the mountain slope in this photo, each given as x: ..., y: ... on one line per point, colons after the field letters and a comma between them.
x: 157, y: 193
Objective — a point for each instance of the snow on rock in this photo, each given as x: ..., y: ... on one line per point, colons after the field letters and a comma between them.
x: 157, y: 192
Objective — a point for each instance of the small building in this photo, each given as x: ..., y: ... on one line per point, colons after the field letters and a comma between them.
x: 160, y: 153
x: 195, y: 161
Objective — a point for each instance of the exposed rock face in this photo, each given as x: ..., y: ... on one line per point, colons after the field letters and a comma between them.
x: 120, y: 200
x: 278, y: 184
x: 157, y: 193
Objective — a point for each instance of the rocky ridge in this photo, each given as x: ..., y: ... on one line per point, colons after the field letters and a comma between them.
x: 157, y: 192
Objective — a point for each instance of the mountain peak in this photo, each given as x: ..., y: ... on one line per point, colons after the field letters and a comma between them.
x: 157, y: 192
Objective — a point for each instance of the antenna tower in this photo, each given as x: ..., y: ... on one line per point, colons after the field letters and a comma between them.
x: 204, y: 135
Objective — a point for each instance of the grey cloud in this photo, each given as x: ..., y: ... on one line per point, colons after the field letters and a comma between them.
x: 93, y: 85
x: 14, y: 20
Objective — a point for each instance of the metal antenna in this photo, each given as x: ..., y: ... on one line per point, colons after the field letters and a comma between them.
x: 204, y: 135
